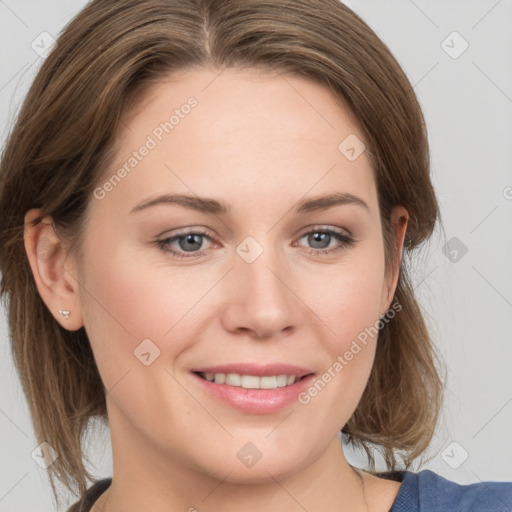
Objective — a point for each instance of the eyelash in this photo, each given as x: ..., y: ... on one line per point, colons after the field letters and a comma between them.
x: 345, y: 242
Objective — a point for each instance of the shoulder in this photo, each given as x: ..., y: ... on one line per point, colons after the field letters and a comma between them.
x: 427, y: 491
x: 89, y: 498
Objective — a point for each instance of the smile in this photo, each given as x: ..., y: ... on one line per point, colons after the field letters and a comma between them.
x: 253, y: 388
x: 250, y: 381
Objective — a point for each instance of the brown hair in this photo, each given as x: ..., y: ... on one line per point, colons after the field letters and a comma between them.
x: 60, y: 146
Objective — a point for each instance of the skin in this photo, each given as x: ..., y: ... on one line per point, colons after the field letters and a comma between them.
x: 260, y: 142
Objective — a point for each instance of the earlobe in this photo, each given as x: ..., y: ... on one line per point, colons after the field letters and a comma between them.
x: 56, y: 285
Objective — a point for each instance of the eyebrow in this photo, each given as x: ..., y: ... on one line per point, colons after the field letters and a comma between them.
x: 216, y: 207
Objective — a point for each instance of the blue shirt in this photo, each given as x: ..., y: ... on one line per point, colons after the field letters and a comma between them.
x: 428, y: 492
x: 420, y: 492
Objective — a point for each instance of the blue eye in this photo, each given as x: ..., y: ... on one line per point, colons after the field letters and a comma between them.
x: 187, y: 242
x: 321, y: 240
x: 189, y: 245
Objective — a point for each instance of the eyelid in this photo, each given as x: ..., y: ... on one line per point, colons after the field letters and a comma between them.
x: 325, y: 227
x: 344, y: 237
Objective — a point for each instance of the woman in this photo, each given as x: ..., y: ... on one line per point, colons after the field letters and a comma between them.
x: 285, y: 142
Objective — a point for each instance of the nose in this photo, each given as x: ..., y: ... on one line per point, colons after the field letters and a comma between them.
x: 260, y: 300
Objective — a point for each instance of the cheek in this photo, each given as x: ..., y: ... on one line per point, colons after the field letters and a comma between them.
x: 351, y: 310
x: 137, y: 289
x: 347, y: 299
x: 348, y: 303
x: 127, y: 301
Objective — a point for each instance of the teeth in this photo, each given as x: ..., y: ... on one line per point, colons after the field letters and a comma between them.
x: 233, y: 379
x: 250, y: 381
x: 220, y: 378
x: 268, y: 382
x: 282, y: 380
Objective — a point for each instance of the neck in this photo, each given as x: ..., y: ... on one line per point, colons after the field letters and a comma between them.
x: 150, y: 480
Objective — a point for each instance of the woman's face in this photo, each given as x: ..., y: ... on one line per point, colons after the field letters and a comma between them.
x: 239, y: 271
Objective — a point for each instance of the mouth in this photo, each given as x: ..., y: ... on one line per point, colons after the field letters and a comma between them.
x: 253, y: 388
x: 252, y: 381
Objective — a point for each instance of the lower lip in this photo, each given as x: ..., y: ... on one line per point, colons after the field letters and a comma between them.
x: 257, y: 401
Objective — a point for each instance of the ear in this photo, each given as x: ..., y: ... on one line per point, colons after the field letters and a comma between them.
x: 399, y: 220
x: 54, y: 272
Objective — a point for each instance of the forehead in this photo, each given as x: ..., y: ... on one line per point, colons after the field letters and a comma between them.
x: 255, y: 89
x: 253, y: 130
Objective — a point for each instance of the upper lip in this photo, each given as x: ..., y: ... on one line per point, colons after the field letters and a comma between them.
x: 255, y: 369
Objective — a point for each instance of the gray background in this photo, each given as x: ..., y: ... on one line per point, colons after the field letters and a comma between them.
x: 467, y: 296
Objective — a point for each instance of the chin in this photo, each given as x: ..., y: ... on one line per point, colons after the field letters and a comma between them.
x: 248, y: 464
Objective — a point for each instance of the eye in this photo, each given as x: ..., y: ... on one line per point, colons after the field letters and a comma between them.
x: 190, y: 244
x: 320, y: 240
